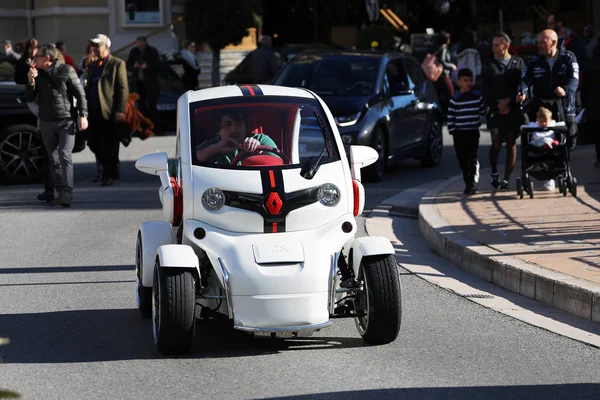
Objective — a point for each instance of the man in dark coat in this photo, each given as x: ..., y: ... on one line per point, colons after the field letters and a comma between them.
x: 500, y: 78
x: 144, y: 62
x: 264, y: 61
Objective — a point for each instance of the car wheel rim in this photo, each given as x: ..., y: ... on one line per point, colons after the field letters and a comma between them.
x: 138, y: 271
x: 21, y: 154
x: 156, y: 309
x: 435, y: 142
x: 361, y: 305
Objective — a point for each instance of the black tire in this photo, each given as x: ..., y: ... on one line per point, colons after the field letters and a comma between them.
x: 381, y: 299
x: 22, y: 155
x: 375, y: 171
x: 574, y: 187
x: 143, y: 294
x: 173, y: 310
x: 519, y: 188
x: 530, y: 183
x: 435, y: 146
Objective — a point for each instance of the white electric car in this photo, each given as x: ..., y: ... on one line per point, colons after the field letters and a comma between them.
x: 259, y: 226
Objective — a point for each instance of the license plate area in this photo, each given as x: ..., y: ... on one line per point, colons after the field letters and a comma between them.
x: 278, y: 253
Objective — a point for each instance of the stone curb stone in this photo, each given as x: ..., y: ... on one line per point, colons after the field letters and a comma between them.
x: 573, y: 295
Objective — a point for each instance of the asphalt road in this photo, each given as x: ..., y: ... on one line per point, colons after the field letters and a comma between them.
x: 67, y: 303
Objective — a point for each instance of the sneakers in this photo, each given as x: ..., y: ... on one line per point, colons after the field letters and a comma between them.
x: 549, y: 185
x: 495, y: 182
x: 470, y: 190
x: 63, y: 200
x: 504, y: 185
x: 46, y: 196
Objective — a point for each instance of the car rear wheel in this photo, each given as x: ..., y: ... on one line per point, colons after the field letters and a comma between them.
x: 22, y: 158
x: 435, y: 146
x: 375, y: 172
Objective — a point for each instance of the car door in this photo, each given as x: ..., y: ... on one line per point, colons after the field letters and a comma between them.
x: 403, y: 117
x: 421, y: 106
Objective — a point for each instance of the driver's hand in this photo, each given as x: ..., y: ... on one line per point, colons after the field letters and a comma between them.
x: 226, y: 146
x: 250, y: 144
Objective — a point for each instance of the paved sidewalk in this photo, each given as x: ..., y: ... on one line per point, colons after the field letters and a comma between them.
x: 546, y: 248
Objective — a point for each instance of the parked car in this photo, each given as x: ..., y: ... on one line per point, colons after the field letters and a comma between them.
x: 22, y: 157
x: 382, y: 100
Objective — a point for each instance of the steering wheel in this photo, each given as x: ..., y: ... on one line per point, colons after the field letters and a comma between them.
x: 265, y: 159
x: 365, y: 87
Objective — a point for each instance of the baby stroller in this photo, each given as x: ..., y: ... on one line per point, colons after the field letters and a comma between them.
x: 544, y: 164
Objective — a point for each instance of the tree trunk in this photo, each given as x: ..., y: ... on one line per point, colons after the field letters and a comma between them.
x: 216, y: 67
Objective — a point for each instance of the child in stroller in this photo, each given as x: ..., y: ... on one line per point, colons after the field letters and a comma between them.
x: 544, y: 154
x: 541, y: 138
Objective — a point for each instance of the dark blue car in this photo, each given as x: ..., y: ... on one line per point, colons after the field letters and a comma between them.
x: 380, y: 100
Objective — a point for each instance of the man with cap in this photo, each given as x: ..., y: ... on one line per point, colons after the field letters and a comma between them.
x: 144, y: 61
x: 107, y: 91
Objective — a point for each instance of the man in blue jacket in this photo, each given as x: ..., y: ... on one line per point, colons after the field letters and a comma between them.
x: 553, y: 74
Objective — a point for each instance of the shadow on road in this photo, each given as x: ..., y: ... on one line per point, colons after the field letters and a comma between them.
x: 546, y: 392
x: 122, y: 334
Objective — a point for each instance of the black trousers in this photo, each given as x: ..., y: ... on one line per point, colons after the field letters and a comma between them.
x: 147, y: 102
x: 592, y: 133
x: 466, y: 144
x: 104, y: 140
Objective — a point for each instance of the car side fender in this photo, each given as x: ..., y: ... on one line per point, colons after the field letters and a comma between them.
x: 178, y: 256
x: 153, y: 234
x: 368, y: 246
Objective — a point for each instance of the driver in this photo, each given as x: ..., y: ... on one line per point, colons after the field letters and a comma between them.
x: 231, y: 138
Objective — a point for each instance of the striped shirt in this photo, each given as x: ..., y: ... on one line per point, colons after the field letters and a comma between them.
x: 465, y: 111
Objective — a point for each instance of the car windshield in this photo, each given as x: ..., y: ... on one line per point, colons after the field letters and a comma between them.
x: 343, y: 75
x: 259, y: 132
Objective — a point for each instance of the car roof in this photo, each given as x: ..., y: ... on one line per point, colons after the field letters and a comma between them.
x: 351, y: 53
x: 236, y: 91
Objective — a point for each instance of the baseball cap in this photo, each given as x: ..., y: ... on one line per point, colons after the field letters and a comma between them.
x: 6, y: 43
x: 101, y: 39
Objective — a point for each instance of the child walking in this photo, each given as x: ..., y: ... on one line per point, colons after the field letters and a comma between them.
x: 464, y: 118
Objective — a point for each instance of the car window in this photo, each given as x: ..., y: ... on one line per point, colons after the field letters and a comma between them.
x: 293, y: 131
x: 416, y: 75
x: 396, y: 75
x: 344, y: 75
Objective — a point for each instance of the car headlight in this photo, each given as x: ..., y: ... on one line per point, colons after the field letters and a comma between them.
x: 213, y: 199
x: 348, y: 120
x: 328, y: 195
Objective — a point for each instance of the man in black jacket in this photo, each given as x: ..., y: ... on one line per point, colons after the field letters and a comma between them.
x: 144, y: 62
x: 500, y: 78
x: 54, y: 85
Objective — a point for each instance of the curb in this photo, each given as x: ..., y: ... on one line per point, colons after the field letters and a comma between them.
x: 573, y: 295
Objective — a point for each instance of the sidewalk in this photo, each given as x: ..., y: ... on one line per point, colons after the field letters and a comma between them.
x: 546, y: 248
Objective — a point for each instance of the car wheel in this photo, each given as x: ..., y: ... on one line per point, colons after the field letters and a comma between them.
x: 435, y: 146
x: 143, y: 294
x: 22, y: 158
x: 375, y: 172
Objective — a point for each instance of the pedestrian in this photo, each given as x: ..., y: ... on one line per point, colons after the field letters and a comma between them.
x: 567, y: 39
x: 144, y: 62
x: 9, y: 53
x: 60, y: 45
x: 553, y: 74
x: 464, y: 119
x: 26, y: 61
x: 264, y: 61
x: 590, y: 38
x: 54, y: 85
x: 500, y: 80
x: 191, y: 66
x: 590, y: 94
x: 443, y: 85
x: 107, y: 91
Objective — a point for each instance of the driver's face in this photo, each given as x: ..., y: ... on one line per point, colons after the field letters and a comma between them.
x: 232, y: 129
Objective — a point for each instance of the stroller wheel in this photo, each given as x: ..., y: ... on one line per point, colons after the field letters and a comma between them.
x: 574, y: 187
x: 563, y: 186
x: 530, y: 187
x: 519, y: 188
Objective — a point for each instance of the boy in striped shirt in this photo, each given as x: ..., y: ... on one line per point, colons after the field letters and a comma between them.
x: 464, y: 118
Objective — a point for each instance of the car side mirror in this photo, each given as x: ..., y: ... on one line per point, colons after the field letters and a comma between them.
x: 360, y: 157
x: 153, y: 163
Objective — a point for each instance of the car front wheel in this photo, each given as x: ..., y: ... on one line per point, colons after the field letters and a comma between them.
x: 375, y: 171
x: 434, y: 146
